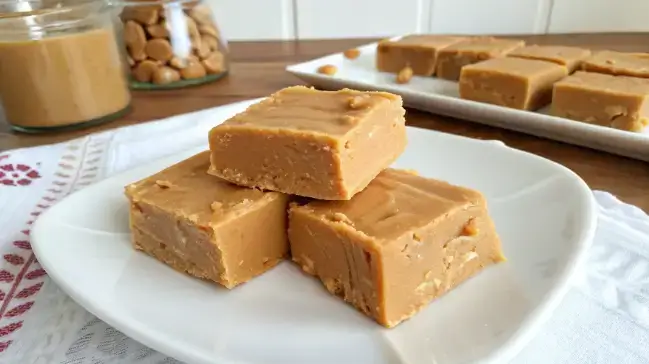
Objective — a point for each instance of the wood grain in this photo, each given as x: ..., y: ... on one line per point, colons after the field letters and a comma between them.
x: 258, y: 69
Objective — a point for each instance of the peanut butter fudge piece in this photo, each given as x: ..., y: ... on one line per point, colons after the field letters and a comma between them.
x: 570, y: 57
x: 418, y: 52
x: 619, y: 102
x: 397, y: 245
x: 206, y: 227
x: 321, y: 144
x: 618, y: 63
x: 451, y: 59
x: 524, y: 84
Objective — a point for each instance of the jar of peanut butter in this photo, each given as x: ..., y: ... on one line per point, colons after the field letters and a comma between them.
x: 62, y: 64
x: 172, y: 43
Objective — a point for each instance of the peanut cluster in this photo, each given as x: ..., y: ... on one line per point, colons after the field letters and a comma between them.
x: 153, y: 35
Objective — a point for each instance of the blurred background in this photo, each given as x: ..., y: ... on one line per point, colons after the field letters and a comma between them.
x: 314, y: 19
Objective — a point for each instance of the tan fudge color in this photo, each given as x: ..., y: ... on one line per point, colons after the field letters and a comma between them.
x: 570, y: 57
x: 451, y: 59
x: 419, y: 52
x: 402, y: 242
x: 206, y: 227
x: 322, y: 144
x: 517, y: 83
x: 617, y: 63
x: 615, y: 101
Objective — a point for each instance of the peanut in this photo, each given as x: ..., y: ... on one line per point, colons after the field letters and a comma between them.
x: 158, y: 30
x: 213, y: 63
x: 159, y: 49
x: 328, y: 69
x: 178, y: 63
x: 164, y: 75
x: 147, y: 15
x: 193, y: 70
x: 201, y: 14
x: 143, y: 72
x: 352, y: 53
x: 202, y: 49
x: 211, y: 42
x: 404, y: 75
x: 208, y: 29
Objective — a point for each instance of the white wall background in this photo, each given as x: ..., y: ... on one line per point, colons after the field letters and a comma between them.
x: 313, y: 19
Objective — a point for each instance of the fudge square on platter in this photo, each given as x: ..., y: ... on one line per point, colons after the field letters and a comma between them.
x: 321, y: 144
x: 524, y: 84
x: 451, y: 59
x: 400, y: 243
x: 618, y: 102
x: 209, y: 228
x: 418, y: 51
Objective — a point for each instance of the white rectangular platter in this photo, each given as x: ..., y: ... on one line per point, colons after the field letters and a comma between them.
x: 441, y: 97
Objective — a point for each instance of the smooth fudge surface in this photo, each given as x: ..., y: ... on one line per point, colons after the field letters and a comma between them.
x: 451, y: 59
x: 618, y: 63
x: 518, y: 83
x: 321, y: 144
x: 206, y: 227
x: 397, y: 245
x: 418, y: 52
x: 570, y: 57
x: 619, y: 102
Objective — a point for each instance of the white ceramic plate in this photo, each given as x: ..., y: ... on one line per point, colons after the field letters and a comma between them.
x: 442, y: 97
x: 543, y: 212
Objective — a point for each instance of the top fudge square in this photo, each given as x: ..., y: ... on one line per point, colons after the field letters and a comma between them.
x: 327, y: 145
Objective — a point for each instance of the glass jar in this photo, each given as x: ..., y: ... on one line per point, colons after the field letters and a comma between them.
x: 61, y: 64
x: 172, y: 43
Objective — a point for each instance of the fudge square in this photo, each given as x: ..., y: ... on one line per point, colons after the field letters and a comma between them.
x: 400, y: 243
x: 451, y: 59
x: 206, y: 227
x: 517, y: 83
x: 322, y: 144
x: 618, y: 63
x: 570, y: 57
x: 618, y: 102
x: 419, y: 52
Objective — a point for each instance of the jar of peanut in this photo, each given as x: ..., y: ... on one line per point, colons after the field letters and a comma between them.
x: 172, y: 43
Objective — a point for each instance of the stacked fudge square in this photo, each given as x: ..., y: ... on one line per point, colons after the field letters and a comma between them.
x: 304, y: 175
x: 599, y: 87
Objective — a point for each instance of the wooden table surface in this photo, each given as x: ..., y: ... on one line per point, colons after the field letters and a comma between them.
x: 258, y: 69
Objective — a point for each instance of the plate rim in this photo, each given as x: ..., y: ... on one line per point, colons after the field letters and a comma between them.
x: 525, y: 332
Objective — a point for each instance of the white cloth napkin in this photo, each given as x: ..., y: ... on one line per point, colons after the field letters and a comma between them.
x: 603, y: 319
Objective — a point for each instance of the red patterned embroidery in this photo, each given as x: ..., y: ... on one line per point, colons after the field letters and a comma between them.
x: 4, y: 156
x: 2, y: 295
x: 35, y: 273
x: 14, y: 259
x: 20, y: 309
x: 29, y: 291
x: 6, y: 276
x: 23, y: 244
x: 17, y: 175
x: 6, y: 330
x: 4, y: 345
x: 26, y: 232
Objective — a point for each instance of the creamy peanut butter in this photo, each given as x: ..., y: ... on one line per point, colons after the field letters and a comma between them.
x: 62, y: 79
x: 400, y: 243
x: 518, y: 83
x: 451, y: 59
x: 320, y: 144
x: 211, y: 229
x: 618, y: 102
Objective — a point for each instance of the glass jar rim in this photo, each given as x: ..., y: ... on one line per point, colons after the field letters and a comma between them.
x: 39, y: 19
x: 119, y: 3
